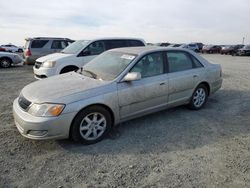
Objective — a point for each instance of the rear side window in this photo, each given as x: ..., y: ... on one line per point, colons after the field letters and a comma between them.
x: 39, y: 43
x: 110, y: 44
x: 58, y: 44
x: 135, y: 43
x: 197, y: 64
x: 178, y: 61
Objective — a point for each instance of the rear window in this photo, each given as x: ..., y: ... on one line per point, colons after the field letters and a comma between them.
x: 58, y: 44
x: 110, y: 44
x: 135, y: 43
x: 27, y: 43
x: 39, y: 43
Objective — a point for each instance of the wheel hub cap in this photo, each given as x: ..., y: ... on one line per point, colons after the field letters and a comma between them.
x: 93, y: 126
x: 199, y: 97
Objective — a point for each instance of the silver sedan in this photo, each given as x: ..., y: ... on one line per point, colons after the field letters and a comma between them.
x: 7, y: 59
x: 116, y: 86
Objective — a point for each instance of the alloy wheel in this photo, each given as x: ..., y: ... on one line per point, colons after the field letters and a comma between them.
x: 199, y: 97
x: 93, y: 126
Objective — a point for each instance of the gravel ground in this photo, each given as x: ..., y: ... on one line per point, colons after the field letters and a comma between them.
x: 171, y: 148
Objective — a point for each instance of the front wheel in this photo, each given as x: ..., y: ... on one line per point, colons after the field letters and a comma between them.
x: 5, y: 63
x: 199, y: 97
x: 91, y: 125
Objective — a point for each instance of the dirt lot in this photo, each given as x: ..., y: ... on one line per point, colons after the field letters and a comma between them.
x: 172, y: 148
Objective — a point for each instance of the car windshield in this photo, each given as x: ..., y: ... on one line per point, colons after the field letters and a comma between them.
x: 108, y: 65
x: 75, y: 47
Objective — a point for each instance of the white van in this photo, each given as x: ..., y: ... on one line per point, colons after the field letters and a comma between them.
x: 77, y: 54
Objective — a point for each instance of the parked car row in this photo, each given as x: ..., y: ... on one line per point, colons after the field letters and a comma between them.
x: 240, y: 50
x: 244, y: 51
x: 195, y: 46
x: 211, y: 49
x: 231, y: 49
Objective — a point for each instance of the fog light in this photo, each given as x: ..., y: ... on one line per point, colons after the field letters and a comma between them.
x: 37, y: 133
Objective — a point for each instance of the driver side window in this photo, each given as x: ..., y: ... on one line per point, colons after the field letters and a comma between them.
x: 95, y: 48
x: 150, y: 65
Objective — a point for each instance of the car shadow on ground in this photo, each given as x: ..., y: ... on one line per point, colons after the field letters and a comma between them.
x: 225, y: 115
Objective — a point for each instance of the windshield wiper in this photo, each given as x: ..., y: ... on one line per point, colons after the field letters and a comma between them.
x: 88, y: 71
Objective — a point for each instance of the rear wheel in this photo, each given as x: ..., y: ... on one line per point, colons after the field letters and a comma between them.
x: 199, y: 97
x: 5, y: 63
x: 91, y: 125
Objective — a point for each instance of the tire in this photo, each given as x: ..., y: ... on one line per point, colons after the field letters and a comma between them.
x: 199, y: 97
x: 5, y: 63
x: 91, y: 125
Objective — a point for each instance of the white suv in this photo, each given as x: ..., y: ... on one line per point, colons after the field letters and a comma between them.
x: 77, y: 54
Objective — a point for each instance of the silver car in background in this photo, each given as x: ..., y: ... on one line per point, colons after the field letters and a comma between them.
x: 41, y: 46
x: 7, y: 59
x: 116, y: 86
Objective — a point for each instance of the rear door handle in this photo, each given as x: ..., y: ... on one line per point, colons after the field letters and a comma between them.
x: 163, y: 83
x: 195, y: 76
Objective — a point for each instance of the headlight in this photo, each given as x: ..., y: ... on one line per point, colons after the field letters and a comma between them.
x: 46, y: 110
x: 49, y: 64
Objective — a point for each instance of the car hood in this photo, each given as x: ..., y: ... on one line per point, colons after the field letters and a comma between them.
x: 57, y: 88
x: 54, y: 57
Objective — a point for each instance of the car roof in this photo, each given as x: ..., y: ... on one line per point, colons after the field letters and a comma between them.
x: 146, y: 49
x: 117, y: 38
x: 47, y: 38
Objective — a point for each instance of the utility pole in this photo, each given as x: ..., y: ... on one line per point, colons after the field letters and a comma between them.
x: 243, y: 40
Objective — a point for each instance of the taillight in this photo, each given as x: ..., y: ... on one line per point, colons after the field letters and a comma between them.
x: 28, y: 52
x: 220, y: 73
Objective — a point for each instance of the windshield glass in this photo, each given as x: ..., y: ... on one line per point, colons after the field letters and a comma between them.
x: 108, y: 65
x: 75, y: 47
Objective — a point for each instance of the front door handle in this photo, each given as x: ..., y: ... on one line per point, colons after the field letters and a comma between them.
x: 163, y: 83
x: 195, y: 76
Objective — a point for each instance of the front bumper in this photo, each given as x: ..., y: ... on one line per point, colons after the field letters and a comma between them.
x: 43, y: 72
x: 41, y: 128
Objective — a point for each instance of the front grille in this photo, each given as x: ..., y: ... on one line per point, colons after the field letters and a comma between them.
x: 23, y: 103
x: 38, y: 64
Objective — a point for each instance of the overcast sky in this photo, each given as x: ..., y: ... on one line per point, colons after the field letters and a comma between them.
x: 177, y: 21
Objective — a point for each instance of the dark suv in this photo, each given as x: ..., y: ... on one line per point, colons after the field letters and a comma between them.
x: 41, y: 46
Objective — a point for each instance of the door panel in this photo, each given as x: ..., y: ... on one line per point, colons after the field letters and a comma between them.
x: 183, y: 77
x: 139, y: 96
x: 181, y: 85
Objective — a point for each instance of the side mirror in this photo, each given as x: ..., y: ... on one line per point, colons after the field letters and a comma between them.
x: 132, y: 76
